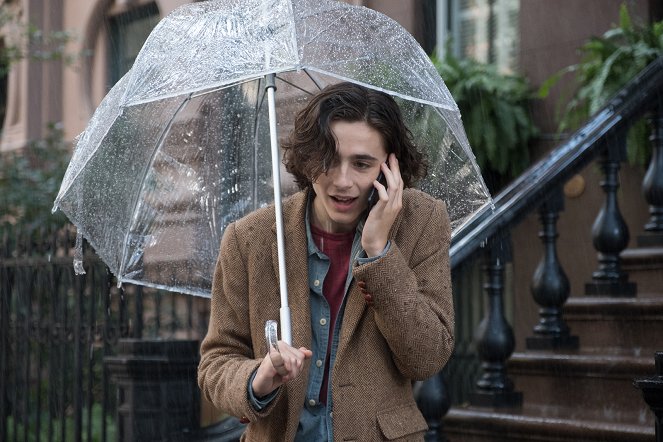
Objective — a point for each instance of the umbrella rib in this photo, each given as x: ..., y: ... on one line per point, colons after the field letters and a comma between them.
x: 385, y: 90
x: 295, y: 86
x: 308, y: 74
x: 259, y: 104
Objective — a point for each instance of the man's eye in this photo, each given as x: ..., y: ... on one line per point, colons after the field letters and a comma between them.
x: 361, y: 165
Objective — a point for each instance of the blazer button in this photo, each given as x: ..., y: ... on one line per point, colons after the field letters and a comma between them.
x: 368, y: 297
x: 244, y: 420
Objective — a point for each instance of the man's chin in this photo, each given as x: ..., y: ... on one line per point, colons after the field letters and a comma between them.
x: 346, y: 223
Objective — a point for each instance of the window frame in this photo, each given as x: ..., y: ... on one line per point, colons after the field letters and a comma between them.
x: 119, y: 60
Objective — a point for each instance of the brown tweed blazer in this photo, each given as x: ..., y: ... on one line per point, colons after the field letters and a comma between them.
x: 405, y: 335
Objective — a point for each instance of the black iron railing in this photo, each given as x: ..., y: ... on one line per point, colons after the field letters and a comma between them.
x: 486, y: 241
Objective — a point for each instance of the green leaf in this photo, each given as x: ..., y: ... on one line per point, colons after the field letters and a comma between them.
x: 598, y: 92
x: 544, y: 89
x: 624, y: 18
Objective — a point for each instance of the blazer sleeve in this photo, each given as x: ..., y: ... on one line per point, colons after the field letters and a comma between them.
x: 227, y: 360
x: 412, y: 299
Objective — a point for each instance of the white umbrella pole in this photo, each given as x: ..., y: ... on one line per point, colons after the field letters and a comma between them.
x: 286, y: 331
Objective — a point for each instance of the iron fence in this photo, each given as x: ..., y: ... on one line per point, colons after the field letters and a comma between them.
x: 55, y: 330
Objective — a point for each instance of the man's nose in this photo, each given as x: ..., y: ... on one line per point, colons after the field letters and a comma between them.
x: 341, y: 176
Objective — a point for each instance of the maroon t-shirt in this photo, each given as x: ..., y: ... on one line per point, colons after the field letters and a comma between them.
x: 337, y: 247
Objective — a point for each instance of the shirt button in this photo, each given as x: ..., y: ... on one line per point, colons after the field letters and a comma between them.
x: 316, y: 282
x: 331, y: 414
x: 318, y: 363
x: 311, y: 402
x: 323, y: 321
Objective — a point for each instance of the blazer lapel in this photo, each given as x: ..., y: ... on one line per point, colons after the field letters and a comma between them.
x: 355, y: 305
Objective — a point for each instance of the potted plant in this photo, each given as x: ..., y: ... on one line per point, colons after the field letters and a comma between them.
x: 608, y: 63
x: 495, y: 113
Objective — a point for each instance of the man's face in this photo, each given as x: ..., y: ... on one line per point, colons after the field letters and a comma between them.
x: 341, y: 194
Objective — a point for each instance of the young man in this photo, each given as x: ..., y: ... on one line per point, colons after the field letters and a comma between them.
x: 369, y: 287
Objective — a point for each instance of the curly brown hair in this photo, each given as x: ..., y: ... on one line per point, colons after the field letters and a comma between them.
x: 311, y: 146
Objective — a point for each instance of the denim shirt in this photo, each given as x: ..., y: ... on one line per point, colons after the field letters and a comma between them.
x: 315, y: 421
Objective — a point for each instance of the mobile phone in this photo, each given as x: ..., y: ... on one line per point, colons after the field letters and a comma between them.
x: 374, y: 196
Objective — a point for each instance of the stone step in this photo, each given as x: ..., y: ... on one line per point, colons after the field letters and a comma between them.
x: 584, y: 386
x: 472, y: 424
x: 644, y: 266
x: 617, y: 325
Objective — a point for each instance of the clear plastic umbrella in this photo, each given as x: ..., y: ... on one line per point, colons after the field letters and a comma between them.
x: 180, y: 147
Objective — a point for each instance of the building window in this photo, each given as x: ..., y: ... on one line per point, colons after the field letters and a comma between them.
x: 128, y: 32
x: 485, y: 30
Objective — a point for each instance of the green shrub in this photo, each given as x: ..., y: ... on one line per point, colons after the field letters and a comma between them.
x: 608, y: 62
x: 495, y: 112
x: 16, y: 430
x: 30, y: 180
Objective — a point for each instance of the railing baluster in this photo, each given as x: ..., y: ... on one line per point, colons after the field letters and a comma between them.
x: 496, y: 341
x: 40, y: 295
x: 5, y: 294
x: 92, y: 284
x: 79, y: 323
x: 64, y: 367
x: 54, y: 278
x: 550, y: 286
x: 26, y: 301
x: 433, y: 401
x: 610, y: 233
x: 652, y: 185
x: 107, y: 336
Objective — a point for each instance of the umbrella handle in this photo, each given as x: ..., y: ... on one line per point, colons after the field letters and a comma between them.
x: 271, y: 330
x: 271, y: 336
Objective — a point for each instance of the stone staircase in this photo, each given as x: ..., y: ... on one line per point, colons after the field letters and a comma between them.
x: 585, y: 394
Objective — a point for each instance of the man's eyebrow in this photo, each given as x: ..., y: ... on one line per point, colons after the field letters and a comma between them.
x: 364, y: 157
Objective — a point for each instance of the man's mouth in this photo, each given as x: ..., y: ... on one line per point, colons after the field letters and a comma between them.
x: 343, y: 202
x: 343, y: 199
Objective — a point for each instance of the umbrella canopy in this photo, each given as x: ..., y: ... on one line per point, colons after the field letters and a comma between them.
x: 179, y: 148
